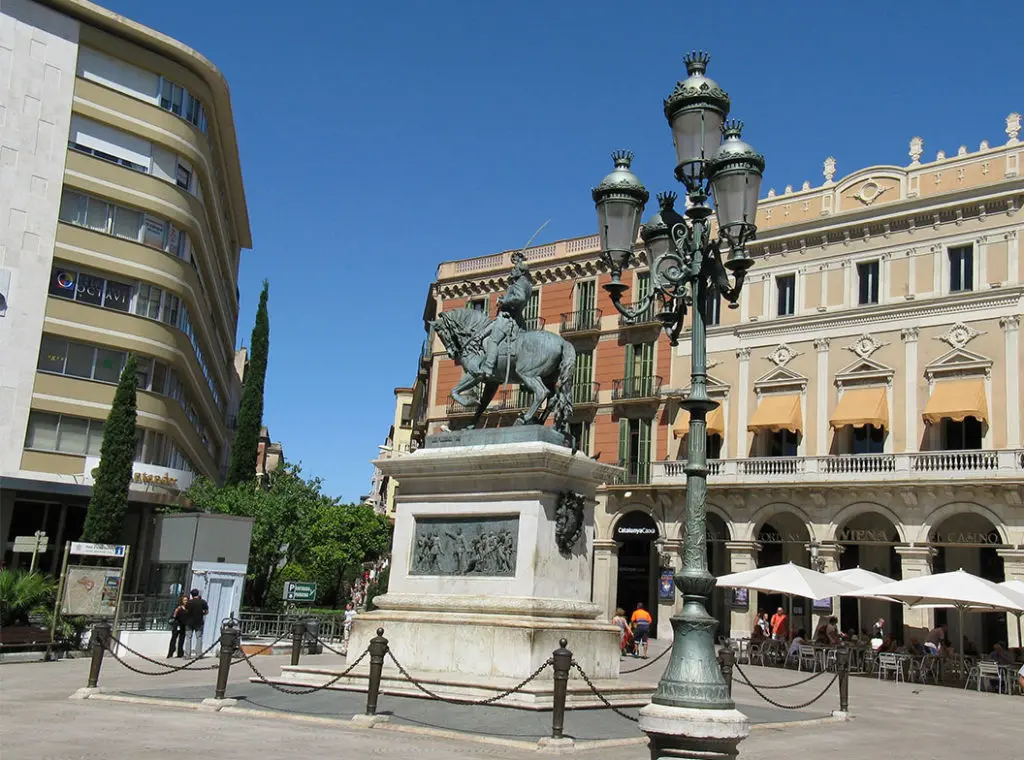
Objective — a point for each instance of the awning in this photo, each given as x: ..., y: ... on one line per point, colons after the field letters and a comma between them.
x: 775, y: 413
x: 956, y: 400
x: 862, y: 406
x: 716, y: 422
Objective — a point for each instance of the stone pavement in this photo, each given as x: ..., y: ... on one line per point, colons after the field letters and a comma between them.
x: 37, y: 720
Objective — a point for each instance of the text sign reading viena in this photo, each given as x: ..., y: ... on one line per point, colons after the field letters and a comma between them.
x: 299, y: 591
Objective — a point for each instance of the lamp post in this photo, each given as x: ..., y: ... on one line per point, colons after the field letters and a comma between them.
x: 817, y: 561
x: 691, y: 714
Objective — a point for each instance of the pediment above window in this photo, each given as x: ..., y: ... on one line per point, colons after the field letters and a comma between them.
x: 780, y: 380
x: 864, y: 371
x: 959, y: 363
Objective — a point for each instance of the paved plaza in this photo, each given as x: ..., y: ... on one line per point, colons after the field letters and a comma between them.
x: 157, y: 715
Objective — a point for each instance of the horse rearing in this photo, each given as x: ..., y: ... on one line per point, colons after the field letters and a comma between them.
x: 541, y: 361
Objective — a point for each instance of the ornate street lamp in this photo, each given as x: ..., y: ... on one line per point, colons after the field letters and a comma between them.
x: 692, y: 713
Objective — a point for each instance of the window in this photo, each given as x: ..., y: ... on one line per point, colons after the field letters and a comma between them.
x: 159, y: 382
x: 868, y: 440
x: 867, y: 279
x: 584, y: 373
x: 97, y: 215
x: 580, y: 432
x: 961, y: 268
x: 73, y: 207
x: 531, y: 312
x: 406, y: 419
x: 965, y: 435
x: 643, y: 286
x: 143, y: 371
x: 108, y: 365
x: 124, y: 222
x: 180, y: 101
x: 147, y: 302
x: 88, y: 288
x: 782, y: 443
x: 639, y: 375
x: 714, y: 444
x: 154, y: 232
x: 53, y: 352
x: 117, y: 295
x: 785, y: 286
x: 128, y: 223
x: 635, y: 449
x: 479, y: 304
x: 586, y: 299
x: 109, y: 144
x: 183, y: 175
x: 171, y: 97
x: 713, y: 314
x: 80, y: 360
x: 63, y: 433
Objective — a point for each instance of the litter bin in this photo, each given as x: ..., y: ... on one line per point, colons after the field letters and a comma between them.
x: 312, y: 637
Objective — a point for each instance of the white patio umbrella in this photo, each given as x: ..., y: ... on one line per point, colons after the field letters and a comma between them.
x: 957, y: 589
x: 858, y: 577
x: 1017, y: 586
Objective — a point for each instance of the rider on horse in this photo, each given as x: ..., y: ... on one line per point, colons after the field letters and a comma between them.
x: 510, y: 314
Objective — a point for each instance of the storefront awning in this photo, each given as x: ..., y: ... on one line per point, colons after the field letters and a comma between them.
x: 956, y: 400
x: 775, y: 413
x: 716, y: 422
x: 862, y: 406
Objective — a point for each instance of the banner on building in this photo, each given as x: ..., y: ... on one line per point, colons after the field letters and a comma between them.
x: 667, y: 585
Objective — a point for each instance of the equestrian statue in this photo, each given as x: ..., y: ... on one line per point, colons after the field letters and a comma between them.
x: 503, y: 350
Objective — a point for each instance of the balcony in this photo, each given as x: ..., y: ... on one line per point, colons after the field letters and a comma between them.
x: 426, y: 352
x: 581, y: 323
x: 505, y: 400
x: 535, y: 323
x: 637, y: 388
x: 646, y: 318
x: 924, y: 466
x: 585, y: 394
x: 633, y: 473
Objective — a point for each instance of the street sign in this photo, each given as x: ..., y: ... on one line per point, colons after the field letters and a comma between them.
x: 27, y: 544
x: 97, y: 550
x: 299, y: 591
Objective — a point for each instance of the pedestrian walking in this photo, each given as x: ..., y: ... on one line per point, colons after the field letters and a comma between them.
x: 196, y: 610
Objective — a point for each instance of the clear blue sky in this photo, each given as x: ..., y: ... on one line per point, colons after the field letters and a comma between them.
x: 379, y: 139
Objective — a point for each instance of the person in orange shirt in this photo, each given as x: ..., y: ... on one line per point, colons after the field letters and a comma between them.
x: 780, y: 625
x: 642, y: 620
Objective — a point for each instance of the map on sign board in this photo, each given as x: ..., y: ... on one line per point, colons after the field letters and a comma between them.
x: 91, y: 591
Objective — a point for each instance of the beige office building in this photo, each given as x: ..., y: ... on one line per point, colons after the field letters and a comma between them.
x: 122, y: 220
x: 870, y: 388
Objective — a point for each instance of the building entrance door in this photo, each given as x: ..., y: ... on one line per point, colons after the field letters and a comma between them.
x: 638, y: 565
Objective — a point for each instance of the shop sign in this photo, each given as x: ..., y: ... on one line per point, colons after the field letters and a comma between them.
x: 969, y: 537
x: 146, y: 475
x: 636, y: 526
x: 866, y: 536
x: 667, y: 586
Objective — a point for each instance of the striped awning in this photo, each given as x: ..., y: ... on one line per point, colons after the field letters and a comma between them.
x: 777, y: 412
x: 859, y: 407
x: 716, y: 422
x: 957, y: 400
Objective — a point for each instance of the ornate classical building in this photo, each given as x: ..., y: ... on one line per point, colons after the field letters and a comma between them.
x: 122, y: 223
x: 869, y: 385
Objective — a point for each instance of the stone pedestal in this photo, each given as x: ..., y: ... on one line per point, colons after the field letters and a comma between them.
x: 681, y: 732
x: 479, y: 585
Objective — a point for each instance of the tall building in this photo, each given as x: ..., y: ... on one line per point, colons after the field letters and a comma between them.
x: 122, y: 221
x: 869, y: 385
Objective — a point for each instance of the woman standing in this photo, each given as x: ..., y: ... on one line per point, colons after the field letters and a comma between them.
x: 624, y: 633
x: 178, y: 629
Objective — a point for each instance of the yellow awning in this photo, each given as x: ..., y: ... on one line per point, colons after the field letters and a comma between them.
x: 862, y: 406
x: 777, y: 413
x: 716, y: 422
x: 956, y: 400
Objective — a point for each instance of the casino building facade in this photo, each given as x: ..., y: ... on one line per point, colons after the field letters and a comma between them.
x: 869, y: 385
x: 122, y: 222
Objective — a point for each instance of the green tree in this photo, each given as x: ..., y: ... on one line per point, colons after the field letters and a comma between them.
x: 242, y: 468
x: 297, y: 528
x: 109, y: 501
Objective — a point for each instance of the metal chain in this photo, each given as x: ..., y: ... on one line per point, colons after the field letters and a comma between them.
x: 646, y: 664
x: 601, y: 696
x: 170, y: 668
x: 786, y: 685
x: 329, y: 648
x: 771, y: 701
x: 310, y: 690
x: 449, y: 700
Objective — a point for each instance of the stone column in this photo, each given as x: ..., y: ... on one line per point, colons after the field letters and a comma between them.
x: 742, y: 556
x: 743, y: 354
x: 1011, y: 337
x: 672, y: 551
x: 910, y: 405
x: 830, y: 553
x: 823, y: 384
x: 915, y: 561
x: 606, y: 575
x: 1013, y: 569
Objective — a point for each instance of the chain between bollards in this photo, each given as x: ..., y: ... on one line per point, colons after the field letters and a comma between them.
x: 561, y: 659
x: 378, y: 649
x: 101, y: 633
x: 230, y: 640
x: 726, y: 661
x: 298, y: 634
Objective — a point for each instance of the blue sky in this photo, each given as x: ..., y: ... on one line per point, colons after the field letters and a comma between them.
x: 379, y: 139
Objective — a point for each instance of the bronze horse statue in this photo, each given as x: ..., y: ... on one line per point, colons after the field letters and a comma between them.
x: 539, y: 360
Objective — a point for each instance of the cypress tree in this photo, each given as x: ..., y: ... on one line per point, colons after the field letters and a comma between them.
x: 250, y: 412
x: 109, y: 501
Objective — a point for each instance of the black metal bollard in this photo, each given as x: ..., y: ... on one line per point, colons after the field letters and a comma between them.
x: 298, y: 634
x: 726, y: 661
x: 843, y: 668
x: 378, y: 648
x: 100, y: 637
x: 562, y: 660
x: 229, y: 642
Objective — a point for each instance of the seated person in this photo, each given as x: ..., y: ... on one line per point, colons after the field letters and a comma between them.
x: 794, y: 646
x: 1000, y: 655
x: 969, y: 649
x: 933, y: 642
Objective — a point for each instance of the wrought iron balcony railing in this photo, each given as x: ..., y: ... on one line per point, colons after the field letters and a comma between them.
x: 636, y: 388
x: 581, y: 322
x: 584, y: 394
x: 633, y: 473
x: 505, y: 400
x: 535, y: 323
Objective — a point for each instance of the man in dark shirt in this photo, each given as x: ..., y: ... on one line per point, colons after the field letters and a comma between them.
x: 196, y: 609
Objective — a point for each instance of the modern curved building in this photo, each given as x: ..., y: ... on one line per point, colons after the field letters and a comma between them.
x: 122, y: 221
